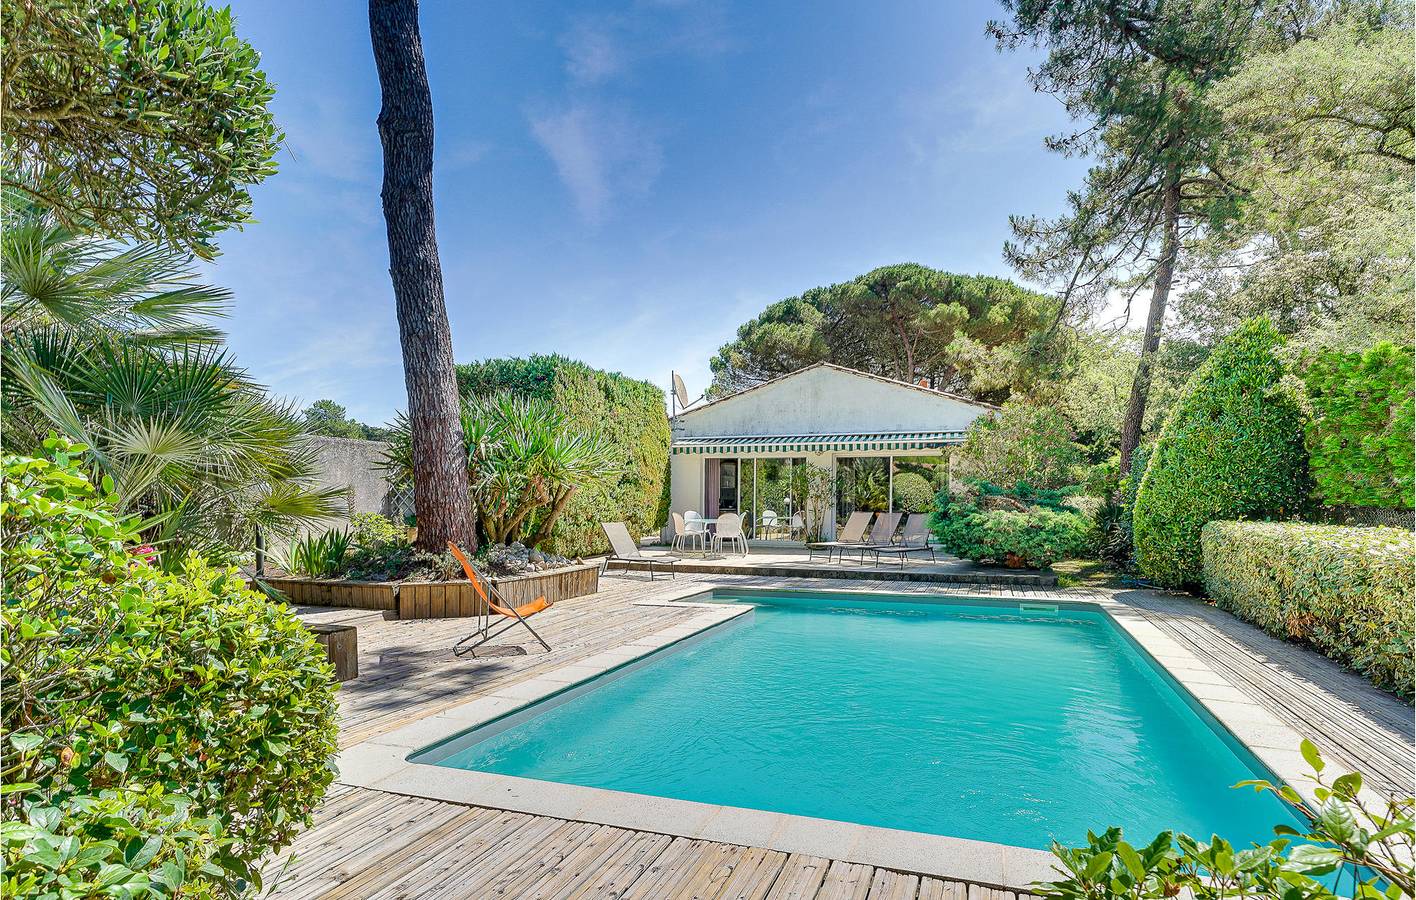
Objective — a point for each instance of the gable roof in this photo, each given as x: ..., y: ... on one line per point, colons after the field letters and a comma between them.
x: 988, y: 407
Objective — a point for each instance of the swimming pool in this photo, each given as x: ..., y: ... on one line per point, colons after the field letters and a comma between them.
x: 968, y: 718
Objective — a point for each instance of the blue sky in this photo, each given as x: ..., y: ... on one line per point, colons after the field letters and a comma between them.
x: 626, y: 182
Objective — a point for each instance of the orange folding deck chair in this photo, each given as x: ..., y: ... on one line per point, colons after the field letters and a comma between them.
x: 491, y: 625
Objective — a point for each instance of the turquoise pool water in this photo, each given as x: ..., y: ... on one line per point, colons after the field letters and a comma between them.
x: 960, y: 718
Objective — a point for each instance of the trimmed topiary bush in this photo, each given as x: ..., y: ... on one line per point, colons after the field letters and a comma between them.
x: 1348, y: 592
x: 627, y: 412
x: 1361, y: 446
x: 1017, y: 528
x: 1232, y: 448
x: 195, y: 711
x: 913, y: 493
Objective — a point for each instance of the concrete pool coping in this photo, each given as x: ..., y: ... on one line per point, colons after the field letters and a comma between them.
x: 382, y: 763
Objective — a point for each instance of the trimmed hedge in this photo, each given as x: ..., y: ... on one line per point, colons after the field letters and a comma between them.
x: 1232, y: 448
x: 1361, y: 446
x: 1347, y: 592
x: 628, y: 412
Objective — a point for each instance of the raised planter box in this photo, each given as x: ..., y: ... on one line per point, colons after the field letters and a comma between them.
x: 439, y: 599
x: 351, y: 594
x: 452, y: 599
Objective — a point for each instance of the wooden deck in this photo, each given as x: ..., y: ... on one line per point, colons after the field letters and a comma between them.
x: 368, y: 843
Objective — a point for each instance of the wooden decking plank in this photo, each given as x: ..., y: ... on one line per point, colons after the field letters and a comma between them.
x: 624, y: 868
x: 465, y: 839
x: 888, y: 885
x: 580, y: 865
x: 702, y: 874
x: 799, y: 878
x: 754, y: 875
x: 845, y: 881
x: 450, y: 872
x: 680, y: 851
x: 546, y: 858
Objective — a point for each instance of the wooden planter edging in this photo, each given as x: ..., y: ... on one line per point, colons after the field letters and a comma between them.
x: 452, y: 599
x: 439, y: 599
x: 351, y: 594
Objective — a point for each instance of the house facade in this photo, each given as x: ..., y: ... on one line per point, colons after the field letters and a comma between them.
x: 817, y: 443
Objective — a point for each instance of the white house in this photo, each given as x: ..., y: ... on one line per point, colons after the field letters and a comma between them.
x: 878, y: 436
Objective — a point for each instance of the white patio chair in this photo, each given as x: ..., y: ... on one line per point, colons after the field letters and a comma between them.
x: 683, y: 536
x: 796, y: 528
x: 695, y: 528
x: 768, y: 523
x: 730, y: 530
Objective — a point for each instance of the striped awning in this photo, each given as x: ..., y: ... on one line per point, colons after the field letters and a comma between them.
x: 747, y: 445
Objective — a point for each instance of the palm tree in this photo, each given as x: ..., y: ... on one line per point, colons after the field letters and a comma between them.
x: 110, y: 347
x: 440, y: 490
x: 75, y: 283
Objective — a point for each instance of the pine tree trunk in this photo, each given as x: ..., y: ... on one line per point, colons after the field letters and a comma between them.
x: 1155, y: 322
x: 441, y: 498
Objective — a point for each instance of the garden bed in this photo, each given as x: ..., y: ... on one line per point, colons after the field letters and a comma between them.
x: 439, y: 599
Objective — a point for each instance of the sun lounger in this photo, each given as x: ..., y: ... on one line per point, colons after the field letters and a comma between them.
x: 626, y: 551
x: 851, y: 537
x: 882, y: 533
x: 913, y: 539
x: 497, y: 617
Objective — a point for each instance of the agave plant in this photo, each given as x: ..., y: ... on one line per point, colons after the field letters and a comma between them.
x: 100, y: 347
x: 525, y: 460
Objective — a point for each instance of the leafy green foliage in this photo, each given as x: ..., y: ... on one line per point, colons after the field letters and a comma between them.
x: 328, y: 418
x: 135, y: 842
x: 1365, y: 846
x: 1348, y: 592
x: 979, y: 335
x: 370, y: 531
x: 626, y: 413
x: 108, y: 346
x: 1320, y: 143
x: 1021, y: 526
x: 149, y: 117
x: 1022, y: 443
x: 67, y: 280
x: 913, y: 493
x: 524, y: 463
x: 1233, y: 448
x: 1360, y: 439
x: 175, y: 726
x: 318, y: 555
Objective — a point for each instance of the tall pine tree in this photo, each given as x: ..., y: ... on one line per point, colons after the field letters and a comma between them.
x: 1136, y: 72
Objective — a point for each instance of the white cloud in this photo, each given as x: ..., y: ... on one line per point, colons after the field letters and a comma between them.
x: 600, y: 153
x: 592, y: 54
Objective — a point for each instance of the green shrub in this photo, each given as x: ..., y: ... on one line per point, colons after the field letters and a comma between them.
x: 1353, y: 846
x: 371, y: 531
x: 1006, y: 528
x: 1020, y: 442
x: 187, y: 706
x: 1360, y: 439
x: 627, y: 412
x: 913, y: 493
x: 1233, y: 448
x: 1348, y: 592
x: 318, y: 555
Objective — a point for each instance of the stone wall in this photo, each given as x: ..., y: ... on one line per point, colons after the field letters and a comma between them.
x: 354, y: 464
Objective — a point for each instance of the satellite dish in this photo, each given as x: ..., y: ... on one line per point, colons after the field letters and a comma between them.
x: 680, y: 391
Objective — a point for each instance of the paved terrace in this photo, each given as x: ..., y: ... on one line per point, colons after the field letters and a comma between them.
x: 373, y: 843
